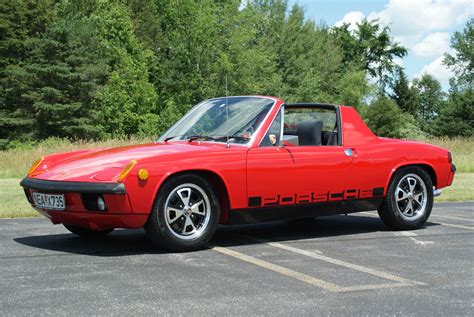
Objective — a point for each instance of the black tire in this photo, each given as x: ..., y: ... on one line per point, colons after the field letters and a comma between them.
x: 86, y: 232
x: 167, y: 233
x: 390, y: 211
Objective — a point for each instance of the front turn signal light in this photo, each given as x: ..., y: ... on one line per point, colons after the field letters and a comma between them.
x: 126, y: 170
x: 142, y: 174
x: 36, y: 164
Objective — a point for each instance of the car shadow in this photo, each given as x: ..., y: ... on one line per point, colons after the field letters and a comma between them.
x: 117, y: 243
x: 333, y: 228
x: 132, y: 242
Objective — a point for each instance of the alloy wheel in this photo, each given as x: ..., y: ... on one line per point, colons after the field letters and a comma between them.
x: 411, y: 197
x: 187, y: 211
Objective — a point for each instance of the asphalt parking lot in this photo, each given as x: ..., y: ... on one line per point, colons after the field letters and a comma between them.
x: 341, y: 265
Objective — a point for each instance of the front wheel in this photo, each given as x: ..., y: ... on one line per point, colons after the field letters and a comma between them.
x: 409, y: 199
x: 185, y: 214
x: 88, y: 233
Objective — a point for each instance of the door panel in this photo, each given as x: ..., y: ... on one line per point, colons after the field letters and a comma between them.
x: 278, y: 176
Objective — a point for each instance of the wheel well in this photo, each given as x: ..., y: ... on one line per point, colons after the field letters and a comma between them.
x: 430, y: 172
x: 428, y: 169
x: 217, y: 183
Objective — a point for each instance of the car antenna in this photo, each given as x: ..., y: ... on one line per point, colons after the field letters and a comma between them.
x: 226, y: 113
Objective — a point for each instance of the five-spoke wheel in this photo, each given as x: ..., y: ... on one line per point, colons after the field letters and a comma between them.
x: 187, y: 211
x: 409, y: 199
x: 185, y: 214
x: 410, y: 196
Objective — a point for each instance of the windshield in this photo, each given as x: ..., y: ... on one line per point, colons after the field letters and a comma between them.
x: 214, y: 120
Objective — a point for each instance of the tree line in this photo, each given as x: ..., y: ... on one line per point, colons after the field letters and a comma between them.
x: 97, y: 69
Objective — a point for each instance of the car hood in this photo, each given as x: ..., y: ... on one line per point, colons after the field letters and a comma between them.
x: 104, y: 165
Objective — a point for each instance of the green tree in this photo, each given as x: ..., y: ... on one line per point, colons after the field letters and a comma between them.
x: 462, y: 62
x: 20, y: 22
x: 86, y: 76
x: 386, y: 119
x: 202, y: 43
x: 372, y: 48
x: 405, y: 96
x: 116, y: 68
x: 353, y: 88
x: 431, y: 99
x: 456, y: 118
x: 128, y: 99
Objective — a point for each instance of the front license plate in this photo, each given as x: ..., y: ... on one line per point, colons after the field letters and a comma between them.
x: 49, y: 201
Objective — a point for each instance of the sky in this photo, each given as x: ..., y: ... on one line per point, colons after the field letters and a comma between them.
x: 424, y: 27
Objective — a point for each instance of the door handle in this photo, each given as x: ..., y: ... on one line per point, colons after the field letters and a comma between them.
x: 350, y: 152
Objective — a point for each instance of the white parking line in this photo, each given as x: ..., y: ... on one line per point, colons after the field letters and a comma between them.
x: 455, y: 226
x: 410, y: 235
x: 405, y: 234
x: 451, y: 217
x: 421, y: 242
x: 348, y: 265
x: 371, y: 287
x: 304, y: 277
x: 279, y: 245
x: 441, y: 223
x: 280, y: 269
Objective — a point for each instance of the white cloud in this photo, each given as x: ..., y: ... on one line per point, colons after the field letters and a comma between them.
x: 398, y: 61
x: 411, y: 19
x: 426, y: 15
x: 351, y: 18
x: 433, y: 45
x: 437, y: 70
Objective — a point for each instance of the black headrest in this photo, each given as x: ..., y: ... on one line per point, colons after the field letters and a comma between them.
x: 329, y: 138
x: 309, y: 132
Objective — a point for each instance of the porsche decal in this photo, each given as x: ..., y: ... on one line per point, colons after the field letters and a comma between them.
x: 280, y: 200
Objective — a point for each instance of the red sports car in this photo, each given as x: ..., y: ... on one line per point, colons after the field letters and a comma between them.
x: 237, y: 160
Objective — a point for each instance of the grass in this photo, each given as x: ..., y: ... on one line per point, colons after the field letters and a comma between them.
x: 462, y: 189
x: 13, y: 201
x: 15, y: 205
x: 14, y: 163
x: 462, y: 150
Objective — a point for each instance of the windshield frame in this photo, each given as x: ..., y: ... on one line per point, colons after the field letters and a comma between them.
x: 252, y: 139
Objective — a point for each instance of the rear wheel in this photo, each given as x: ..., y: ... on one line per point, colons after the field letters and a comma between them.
x: 185, y: 214
x: 88, y: 233
x: 409, y: 199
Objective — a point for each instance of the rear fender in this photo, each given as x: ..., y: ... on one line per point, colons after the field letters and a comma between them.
x: 427, y: 166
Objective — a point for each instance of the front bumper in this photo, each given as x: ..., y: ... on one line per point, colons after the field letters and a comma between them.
x: 73, y: 187
x: 78, y: 212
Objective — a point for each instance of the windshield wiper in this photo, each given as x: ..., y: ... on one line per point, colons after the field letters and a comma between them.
x: 207, y: 137
x: 197, y: 137
x: 238, y: 137
x: 170, y: 137
x: 189, y: 138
